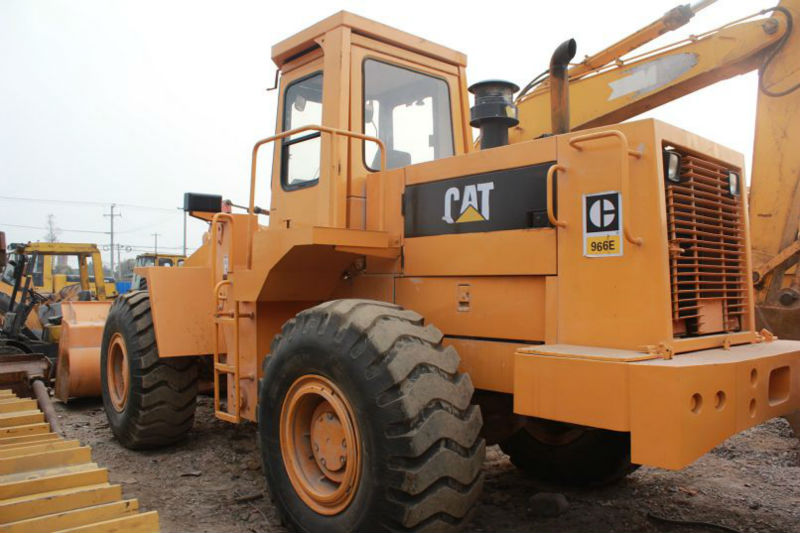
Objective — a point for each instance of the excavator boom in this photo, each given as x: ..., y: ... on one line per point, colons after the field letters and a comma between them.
x: 620, y: 90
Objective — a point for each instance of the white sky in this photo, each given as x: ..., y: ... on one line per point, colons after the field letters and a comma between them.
x: 137, y: 102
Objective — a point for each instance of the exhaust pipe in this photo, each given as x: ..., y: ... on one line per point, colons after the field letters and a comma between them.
x: 559, y: 86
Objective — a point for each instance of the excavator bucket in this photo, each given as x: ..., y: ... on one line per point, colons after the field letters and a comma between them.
x: 78, y: 368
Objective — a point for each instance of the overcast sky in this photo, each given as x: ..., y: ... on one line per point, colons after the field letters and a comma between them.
x: 136, y: 102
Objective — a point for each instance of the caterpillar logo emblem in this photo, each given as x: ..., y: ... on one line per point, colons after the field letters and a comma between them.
x: 473, y: 203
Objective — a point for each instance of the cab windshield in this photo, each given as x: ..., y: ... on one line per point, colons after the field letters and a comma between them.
x: 409, y: 111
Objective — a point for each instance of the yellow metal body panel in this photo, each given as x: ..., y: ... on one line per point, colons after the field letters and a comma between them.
x: 182, y: 303
x: 487, y: 307
x: 621, y: 302
x: 308, y: 38
x: 676, y: 409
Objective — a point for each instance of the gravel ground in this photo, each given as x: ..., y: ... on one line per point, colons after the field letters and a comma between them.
x: 750, y: 483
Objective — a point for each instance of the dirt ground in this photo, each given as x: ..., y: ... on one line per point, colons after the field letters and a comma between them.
x: 751, y: 483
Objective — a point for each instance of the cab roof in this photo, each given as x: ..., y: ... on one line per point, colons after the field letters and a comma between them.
x: 306, y: 39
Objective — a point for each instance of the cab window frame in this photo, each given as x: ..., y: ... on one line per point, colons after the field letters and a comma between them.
x: 286, y: 142
x: 447, y: 105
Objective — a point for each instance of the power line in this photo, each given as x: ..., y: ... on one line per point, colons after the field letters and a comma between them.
x: 84, y: 202
x: 59, y: 228
x: 146, y: 226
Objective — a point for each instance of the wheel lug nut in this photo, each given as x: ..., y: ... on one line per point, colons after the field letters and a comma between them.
x: 323, y: 461
x: 342, y: 459
x: 344, y: 443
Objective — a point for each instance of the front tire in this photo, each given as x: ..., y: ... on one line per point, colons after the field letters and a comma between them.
x: 368, y: 373
x: 149, y: 401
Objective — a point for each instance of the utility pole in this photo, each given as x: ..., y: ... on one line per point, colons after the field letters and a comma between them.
x: 184, y: 229
x: 52, y: 231
x: 111, y: 215
x: 184, y: 233
x: 119, y: 260
x: 156, y: 245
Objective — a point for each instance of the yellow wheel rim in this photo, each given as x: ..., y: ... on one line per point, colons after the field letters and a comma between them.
x: 320, y: 444
x: 117, y: 372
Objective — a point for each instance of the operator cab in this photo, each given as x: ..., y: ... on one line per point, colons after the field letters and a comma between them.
x: 353, y: 74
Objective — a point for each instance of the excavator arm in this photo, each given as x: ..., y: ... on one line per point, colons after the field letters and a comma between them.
x: 775, y: 188
x: 606, y: 89
x: 609, y: 93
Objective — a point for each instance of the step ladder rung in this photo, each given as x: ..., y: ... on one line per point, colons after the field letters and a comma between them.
x: 224, y: 368
x: 230, y: 412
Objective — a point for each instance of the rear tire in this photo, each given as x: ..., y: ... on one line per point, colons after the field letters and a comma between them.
x: 570, y: 456
x: 420, y: 457
x: 149, y: 401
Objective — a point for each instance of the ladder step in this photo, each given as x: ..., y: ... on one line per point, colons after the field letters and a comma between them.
x: 226, y: 369
x: 227, y: 417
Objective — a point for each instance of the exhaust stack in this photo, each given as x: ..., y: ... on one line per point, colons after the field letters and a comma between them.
x: 559, y: 86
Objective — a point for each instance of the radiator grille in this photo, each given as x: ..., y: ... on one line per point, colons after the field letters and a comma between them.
x: 707, y: 249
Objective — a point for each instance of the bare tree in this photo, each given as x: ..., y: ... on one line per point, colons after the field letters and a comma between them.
x: 52, y: 230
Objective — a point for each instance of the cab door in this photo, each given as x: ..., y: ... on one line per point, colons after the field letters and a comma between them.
x: 300, y: 182
x: 409, y: 101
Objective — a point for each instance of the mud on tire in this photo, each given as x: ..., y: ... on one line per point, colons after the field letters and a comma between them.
x: 161, y: 394
x: 421, y: 447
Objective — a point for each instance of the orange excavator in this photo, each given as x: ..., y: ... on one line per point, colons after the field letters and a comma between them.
x: 620, y: 83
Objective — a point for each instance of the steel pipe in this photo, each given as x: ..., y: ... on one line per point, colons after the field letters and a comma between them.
x: 46, y: 405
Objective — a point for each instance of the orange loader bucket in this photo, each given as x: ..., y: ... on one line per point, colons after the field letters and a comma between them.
x: 78, y: 368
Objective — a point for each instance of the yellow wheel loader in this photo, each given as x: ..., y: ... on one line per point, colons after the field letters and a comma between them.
x: 582, y: 298
x: 64, y: 325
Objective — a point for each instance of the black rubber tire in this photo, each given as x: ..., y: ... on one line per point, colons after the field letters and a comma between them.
x: 595, y: 458
x: 162, y: 393
x: 422, y: 449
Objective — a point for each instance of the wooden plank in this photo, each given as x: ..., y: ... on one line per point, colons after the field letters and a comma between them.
x: 135, y: 523
x: 12, y: 442
x: 38, y: 461
x: 18, y: 405
x: 6, y: 392
x: 72, y: 518
x: 47, y: 472
x: 27, y: 448
x: 25, y: 487
x: 15, y: 509
x: 28, y: 429
x: 8, y: 399
x: 20, y: 418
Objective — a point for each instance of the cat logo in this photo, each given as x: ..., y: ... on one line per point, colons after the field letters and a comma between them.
x: 472, y: 205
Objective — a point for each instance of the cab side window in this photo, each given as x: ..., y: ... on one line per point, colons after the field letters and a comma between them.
x: 300, y: 153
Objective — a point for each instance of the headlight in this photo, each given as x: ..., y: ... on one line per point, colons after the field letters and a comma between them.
x: 733, y: 183
x: 672, y: 166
